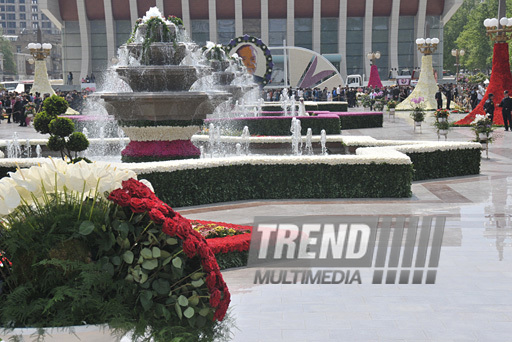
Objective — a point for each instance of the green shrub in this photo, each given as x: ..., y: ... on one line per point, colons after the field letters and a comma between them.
x: 361, y: 121
x: 56, y: 143
x: 77, y: 142
x: 281, y: 126
x: 332, y: 106
x: 42, y: 121
x: 247, y: 182
x: 55, y: 105
x: 442, y: 164
x: 61, y: 127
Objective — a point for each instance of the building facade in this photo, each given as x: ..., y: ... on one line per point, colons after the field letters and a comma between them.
x: 344, y: 31
x: 19, y: 22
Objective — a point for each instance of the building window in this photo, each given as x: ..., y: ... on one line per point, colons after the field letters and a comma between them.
x: 34, y: 17
x: 11, y: 24
x: 2, y: 24
x: 2, y: 16
x: 2, y: 8
x: 18, y: 49
x: 329, y: 35
x: 252, y: 27
x: 276, y: 31
x: 225, y: 30
x: 23, y: 16
x: 200, y: 31
x: 406, y: 42
x: 44, y: 17
x: 34, y: 1
x: 11, y: 16
x: 354, y: 46
x: 304, y: 32
x: 22, y: 8
x: 11, y: 9
x: 22, y: 1
x: 10, y: 1
x: 35, y: 26
x: 34, y: 9
x: 46, y: 24
x: 380, y: 34
x: 23, y: 24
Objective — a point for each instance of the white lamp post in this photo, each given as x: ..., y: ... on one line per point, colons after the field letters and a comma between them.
x: 457, y: 53
x: 498, y: 30
x: 427, y: 46
x: 373, y: 56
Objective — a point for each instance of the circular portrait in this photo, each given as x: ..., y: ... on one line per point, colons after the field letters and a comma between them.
x: 255, y: 55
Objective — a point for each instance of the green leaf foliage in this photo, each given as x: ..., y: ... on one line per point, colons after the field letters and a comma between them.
x: 61, y: 127
x: 55, y: 105
x: 42, y: 122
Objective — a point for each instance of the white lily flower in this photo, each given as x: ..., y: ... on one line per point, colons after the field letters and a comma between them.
x: 9, y: 196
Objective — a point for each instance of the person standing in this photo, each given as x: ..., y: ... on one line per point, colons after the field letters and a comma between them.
x: 489, y: 107
x: 439, y: 98
x: 449, y: 96
x: 70, y: 78
x: 506, y: 105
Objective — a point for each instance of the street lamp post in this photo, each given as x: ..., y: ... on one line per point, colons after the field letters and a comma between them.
x: 373, y: 56
x: 498, y: 30
x: 40, y: 51
x: 457, y: 53
x: 427, y: 46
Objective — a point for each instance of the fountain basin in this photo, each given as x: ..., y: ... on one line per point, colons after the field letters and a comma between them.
x: 153, y: 106
x: 159, y: 78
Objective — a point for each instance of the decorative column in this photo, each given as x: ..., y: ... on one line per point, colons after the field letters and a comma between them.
x: 501, y: 79
x: 368, y: 31
x: 427, y: 85
x: 290, y: 23
x: 40, y: 51
x: 212, y: 15
x: 342, y: 38
x: 264, y: 21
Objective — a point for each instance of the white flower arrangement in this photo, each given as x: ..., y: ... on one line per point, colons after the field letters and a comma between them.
x: 55, y: 176
x: 160, y: 133
x: 437, y: 146
x: 2, y: 154
x: 266, y: 139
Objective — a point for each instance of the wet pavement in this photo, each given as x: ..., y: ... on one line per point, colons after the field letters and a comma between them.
x: 471, y: 299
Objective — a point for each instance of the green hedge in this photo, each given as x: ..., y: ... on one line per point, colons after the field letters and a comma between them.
x: 361, y: 121
x: 281, y: 126
x: 232, y: 259
x: 332, y: 106
x: 442, y: 164
x: 247, y: 182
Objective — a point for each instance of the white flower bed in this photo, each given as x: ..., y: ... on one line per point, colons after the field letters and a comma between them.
x: 160, y: 133
x: 437, y: 146
x: 267, y: 139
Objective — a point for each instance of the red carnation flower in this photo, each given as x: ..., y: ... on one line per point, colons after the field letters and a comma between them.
x: 183, y: 229
x: 215, y: 298
x: 211, y: 280
x: 189, y: 247
x: 120, y: 197
x: 156, y: 216
x: 137, y: 205
x: 169, y: 227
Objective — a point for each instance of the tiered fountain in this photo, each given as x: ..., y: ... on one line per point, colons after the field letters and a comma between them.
x: 162, y: 113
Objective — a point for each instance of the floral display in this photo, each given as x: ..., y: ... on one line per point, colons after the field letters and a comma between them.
x: 418, y: 111
x: 501, y: 80
x: 391, y: 104
x: 426, y: 87
x: 442, y: 113
x: 108, y: 251
x: 374, y: 80
x: 210, y: 230
x: 482, y: 126
x: 153, y: 150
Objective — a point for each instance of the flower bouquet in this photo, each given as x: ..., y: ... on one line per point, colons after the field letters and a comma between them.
x: 391, y: 104
x: 482, y: 126
x: 418, y: 112
x: 90, y: 244
x: 442, y: 114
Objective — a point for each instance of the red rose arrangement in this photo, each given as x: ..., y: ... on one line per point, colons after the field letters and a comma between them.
x: 140, y: 200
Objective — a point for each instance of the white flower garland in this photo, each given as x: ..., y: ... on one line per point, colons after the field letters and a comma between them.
x: 160, y: 133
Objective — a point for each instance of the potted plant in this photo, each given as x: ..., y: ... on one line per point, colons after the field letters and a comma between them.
x: 391, y: 107
x: 418, y: 111
x: 88, y: 244
x: 482, y: 126
x: 442, y: 124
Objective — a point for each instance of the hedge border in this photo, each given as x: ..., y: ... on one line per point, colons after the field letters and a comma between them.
x: 361, y: 121
x: 280, y: 126
x: 246, y: 182
x: 443, y: 164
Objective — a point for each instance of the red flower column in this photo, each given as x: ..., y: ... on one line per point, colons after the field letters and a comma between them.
x: 374, y: 80
x: 501, y: 80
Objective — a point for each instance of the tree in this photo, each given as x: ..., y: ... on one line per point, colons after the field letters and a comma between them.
x: 465, y: 30
x: 6, y: 49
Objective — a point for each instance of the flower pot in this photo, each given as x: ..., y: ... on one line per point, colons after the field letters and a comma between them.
x: 417, y: 123
x: 442, y: 119
x: 90, y: 333
x: 483, y: 136
x: 443, y: 132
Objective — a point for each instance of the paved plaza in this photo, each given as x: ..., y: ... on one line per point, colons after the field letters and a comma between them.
x: 470, y: 301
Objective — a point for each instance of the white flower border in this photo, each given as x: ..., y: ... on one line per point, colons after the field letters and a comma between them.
x: 160, y: 133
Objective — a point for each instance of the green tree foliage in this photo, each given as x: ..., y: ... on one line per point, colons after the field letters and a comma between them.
x: 6, y: 49
x: 466, y: 30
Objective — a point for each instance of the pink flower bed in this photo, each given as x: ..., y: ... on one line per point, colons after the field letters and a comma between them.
x: 162, y: 149
x: 320, y: 114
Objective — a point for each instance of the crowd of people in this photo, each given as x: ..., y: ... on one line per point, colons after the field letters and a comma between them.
x: 20, y: 108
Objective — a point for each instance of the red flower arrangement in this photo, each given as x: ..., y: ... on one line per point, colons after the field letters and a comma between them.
x: 140, y: 199
x: 235, y: 243
x: 176, y: 149
x: 501, y: 80
x: 374, y: 80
